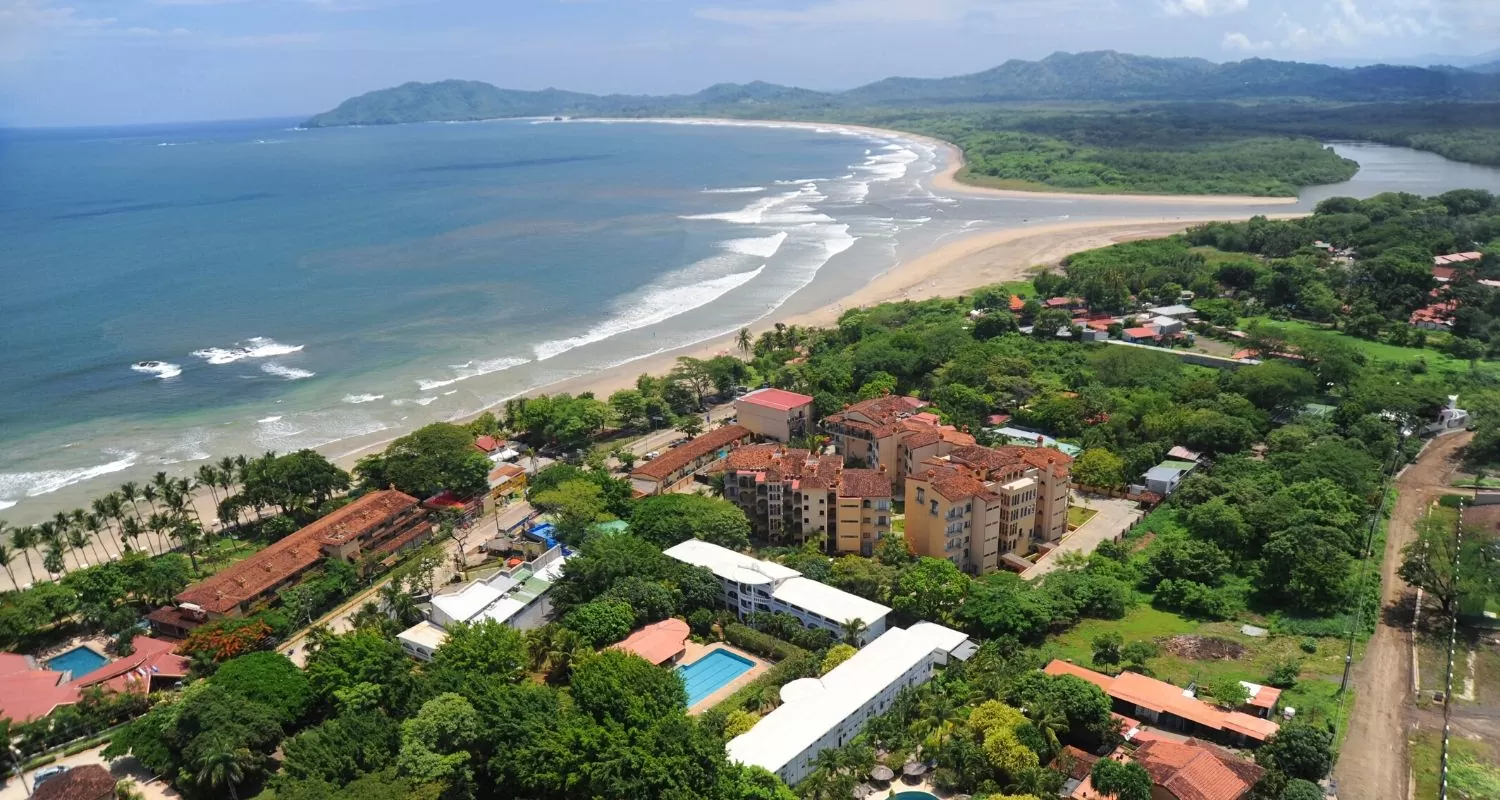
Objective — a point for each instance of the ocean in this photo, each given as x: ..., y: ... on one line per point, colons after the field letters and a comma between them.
x: 178, y: 293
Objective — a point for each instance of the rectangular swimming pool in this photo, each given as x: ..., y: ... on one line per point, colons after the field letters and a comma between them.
x: 80, y: 661
x: 711, y: 673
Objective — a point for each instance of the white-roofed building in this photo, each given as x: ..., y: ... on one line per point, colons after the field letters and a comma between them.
x: 752, y: 585
x: 516, y: 597
x: 819, y: 713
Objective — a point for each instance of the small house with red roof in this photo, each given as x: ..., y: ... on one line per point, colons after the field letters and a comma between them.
x: 660, y: 643
x: 1171, y: 708
x: 775, y: 414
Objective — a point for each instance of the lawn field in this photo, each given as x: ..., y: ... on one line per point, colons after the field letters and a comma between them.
x: 1440, y: 363
x: 1472, y: 772
x: 1316, y: 695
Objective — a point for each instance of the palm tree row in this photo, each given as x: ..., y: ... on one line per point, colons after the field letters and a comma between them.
x: 168, y: 521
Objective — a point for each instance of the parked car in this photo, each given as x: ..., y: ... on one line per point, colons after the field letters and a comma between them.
x: 45, y: 773
x: 653, y: 454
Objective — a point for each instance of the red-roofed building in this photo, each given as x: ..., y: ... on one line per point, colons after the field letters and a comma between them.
x: 381, y: 522
x: 152, y: 664
x: 1169, y: 707
x: 892, y: 433
x: 1193, y: 770
x: 28, y: 691
x: 1142, y: 334
x: 775, y: 414
x: 792, y: 496
x: 678, y: 465
x: 660, y: 643
x: 487, y: 444
x: 1016, y: 304
x: 974, y: 505
x: 1435, y: 317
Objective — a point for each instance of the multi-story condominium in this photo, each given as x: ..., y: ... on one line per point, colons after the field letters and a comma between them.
x: 677, y: 467
x: 979, y: 506
x: 515, y: 596
x: 893, y: 433
x: 821, y: 713
x: 752, y: 585
x: 774, y: 413
x: 796, y: 496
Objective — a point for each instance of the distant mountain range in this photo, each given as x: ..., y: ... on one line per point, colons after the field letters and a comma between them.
x: 1090, y: 77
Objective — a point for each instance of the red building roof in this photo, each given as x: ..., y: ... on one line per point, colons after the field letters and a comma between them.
x: 1192, y: 771
x: 151, y: 658
x: 659, y: 642
x: 864, y: 483
x: 776, y: 399
x: 296, y: 553
x: 679, y: 457
x: 30, y: 694
x: 83, y: 782
x: 1163, y: 697
x: 1143, y: 332
x: 1016, y: 303
x: 487, y: 444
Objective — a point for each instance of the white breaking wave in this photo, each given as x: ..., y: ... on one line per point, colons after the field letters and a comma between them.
x: 4, y: 504
x: 254, y: 347
x: 736, y: 190
x: 657, y: 305
x: 749, y: 215
x: 283, y: 371
x: 268, y: 420
x: 471, y: 369
x: 420, y: 401
x: 362, y: 398
x: 160, y: 369
x: 889, y: 166
x: 760, y: 247
x: 34, y: 484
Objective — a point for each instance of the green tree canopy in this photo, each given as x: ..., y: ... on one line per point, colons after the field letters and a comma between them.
x: 665, y: 520
x: 427, y: 461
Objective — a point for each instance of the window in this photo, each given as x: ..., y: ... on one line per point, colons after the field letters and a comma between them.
x: 865, y: 504
x: 920, y: 495
x: 933, y: 509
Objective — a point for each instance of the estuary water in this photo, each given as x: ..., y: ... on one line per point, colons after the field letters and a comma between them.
x: 178, y: 293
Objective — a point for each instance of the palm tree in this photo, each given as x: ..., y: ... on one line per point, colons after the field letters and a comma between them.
x: 80, y: 518
x: 128, y: 493
x: 78, y: 540
x: 190, y: 537
x: 131, y: 529
x: 744, y: 342
x: 53, y: 561
x: 1034, y: 781
x: 159, y: 523
x: 99, y: 516
x: 208, y: 478
x: 222, y: 765
x: 854, y: 630
x: 6, y: 554
x: 25, y: 539
x: 1050, y: 722
x: 149, y: 493
x: 400, y: 604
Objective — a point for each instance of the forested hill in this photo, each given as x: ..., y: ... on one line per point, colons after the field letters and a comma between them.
x: 1097, y: 76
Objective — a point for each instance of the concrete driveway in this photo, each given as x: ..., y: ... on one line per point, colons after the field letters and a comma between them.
x: 1114, y: 518
x: 128, y: 767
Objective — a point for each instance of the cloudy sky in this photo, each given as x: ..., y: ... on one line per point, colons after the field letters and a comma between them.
x: 105, y: 61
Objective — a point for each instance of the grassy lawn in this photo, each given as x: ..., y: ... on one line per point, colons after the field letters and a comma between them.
x: 1472, y: 772
x: 1315, y: 696
x: 1471, y: 483
x: 1077, y: 515
x: 1440, y: 363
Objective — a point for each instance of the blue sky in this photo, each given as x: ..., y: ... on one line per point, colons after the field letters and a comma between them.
x: 107, y: 61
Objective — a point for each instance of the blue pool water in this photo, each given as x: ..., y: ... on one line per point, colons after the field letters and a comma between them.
x: 913, y: 796
x: 80, y: 661
x: 711, y: 673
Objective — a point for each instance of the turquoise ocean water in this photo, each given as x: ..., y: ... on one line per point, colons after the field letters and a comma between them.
x: 331, y: 288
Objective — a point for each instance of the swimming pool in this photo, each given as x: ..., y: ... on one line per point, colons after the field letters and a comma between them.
x: 711, y: 673
x: 80, y: 661
x: 914, y: 796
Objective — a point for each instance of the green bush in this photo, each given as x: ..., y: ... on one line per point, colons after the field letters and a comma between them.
x: 1309, y: 645
x: 761, y: 644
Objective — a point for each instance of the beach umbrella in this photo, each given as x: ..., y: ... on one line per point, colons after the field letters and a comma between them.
x: 882, y: 773
x: 913, y: 769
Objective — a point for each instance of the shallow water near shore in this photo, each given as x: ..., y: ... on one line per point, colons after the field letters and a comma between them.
x: 177, y: 293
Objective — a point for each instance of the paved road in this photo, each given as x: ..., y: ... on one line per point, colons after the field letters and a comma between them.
x: 661, y: 440
x: 1373, y: 764
x: 127, y: 767
x: 1114, y: 518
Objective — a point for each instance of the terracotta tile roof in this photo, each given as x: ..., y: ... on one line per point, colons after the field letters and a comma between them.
x: 679, y: 457
x: 776, y: 399
x: 757, y: 457
x: 1057, y: 667
x: 487, y: 444
x: 1266, y: 697
x: 86, y: 782
x: 33, y: 694
x: 11, y: 663
x: 864, y: 483
x: 657, y: 642
x: 150, y: 658
x: 953, y: 483
x: 1144, y: 332
x: 296, y: 553
x: 925, y: 438
x: 1457, y: 258
x: 1191, y: 771
x: 1016, y: 303
x: 1079, y: 762
x: 876, y: 412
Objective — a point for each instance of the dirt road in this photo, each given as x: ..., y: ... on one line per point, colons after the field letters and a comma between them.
x: 1373, y: 763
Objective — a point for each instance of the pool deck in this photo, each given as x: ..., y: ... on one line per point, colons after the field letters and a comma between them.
x: 695, y: 651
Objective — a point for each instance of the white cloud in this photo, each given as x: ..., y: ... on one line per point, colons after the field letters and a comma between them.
x: 844, y: 12
x: 1243, y: 43
x: 1203, y: 8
